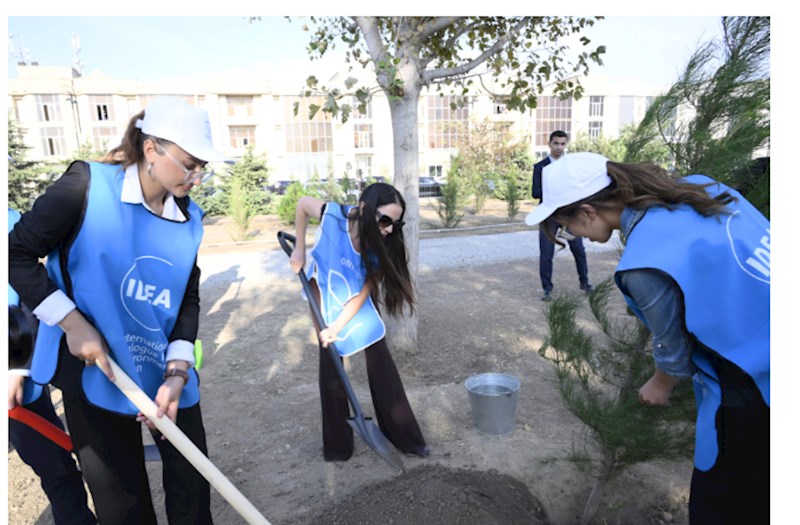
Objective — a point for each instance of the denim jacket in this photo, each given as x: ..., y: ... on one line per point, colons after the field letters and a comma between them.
x: 659, y: 298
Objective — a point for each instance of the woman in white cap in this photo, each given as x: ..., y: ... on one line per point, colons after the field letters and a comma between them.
x: 696, y: 271
x: 121, y: 239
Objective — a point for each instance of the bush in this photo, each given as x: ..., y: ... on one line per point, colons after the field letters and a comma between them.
x: 451, y: 203
x: 286, y: 209
x: 242, y: 208
x: 511, y: 190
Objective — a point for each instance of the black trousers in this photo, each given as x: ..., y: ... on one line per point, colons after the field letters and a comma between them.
x: 60, y: 478
x: 546, y: 252
x: 736, y: 489
x: 111, y: 455
x: 392, y: 410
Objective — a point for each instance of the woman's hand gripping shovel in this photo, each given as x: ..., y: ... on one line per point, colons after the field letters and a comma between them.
x: 365, y: 427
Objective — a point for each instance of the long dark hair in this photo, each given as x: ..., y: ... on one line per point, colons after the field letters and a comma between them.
x: 639, y: 186
x: 391, y: 274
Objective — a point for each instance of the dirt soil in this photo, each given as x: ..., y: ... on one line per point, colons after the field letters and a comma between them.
x: 261, y: 406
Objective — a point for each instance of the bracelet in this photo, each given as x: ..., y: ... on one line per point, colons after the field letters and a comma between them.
x: 172, y: 372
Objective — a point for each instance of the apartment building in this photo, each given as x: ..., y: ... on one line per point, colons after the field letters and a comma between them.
x: 58, y: 110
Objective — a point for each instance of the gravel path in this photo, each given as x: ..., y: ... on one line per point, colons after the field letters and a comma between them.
x: 434, y: 254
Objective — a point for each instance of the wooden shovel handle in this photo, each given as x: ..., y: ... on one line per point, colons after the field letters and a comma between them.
x: 185, y: 446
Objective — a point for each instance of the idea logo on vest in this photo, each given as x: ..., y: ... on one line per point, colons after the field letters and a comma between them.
x: 144, y: 289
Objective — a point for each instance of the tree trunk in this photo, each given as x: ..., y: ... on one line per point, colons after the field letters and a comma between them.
x: 402, y: 331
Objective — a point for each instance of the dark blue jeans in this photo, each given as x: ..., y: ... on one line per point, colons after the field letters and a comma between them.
x: 546, y: 251
x: 60, y: 478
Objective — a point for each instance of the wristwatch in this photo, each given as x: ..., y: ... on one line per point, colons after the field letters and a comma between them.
x: 172, y: 372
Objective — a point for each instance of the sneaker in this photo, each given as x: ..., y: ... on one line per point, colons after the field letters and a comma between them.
x: 548, y: 296
x: 589, y: 289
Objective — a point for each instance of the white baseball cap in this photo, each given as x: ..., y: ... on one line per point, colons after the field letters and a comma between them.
x: 571, y: 178
x: 177, y: 121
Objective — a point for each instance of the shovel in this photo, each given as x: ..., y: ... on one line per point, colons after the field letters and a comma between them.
x: 58, y: 436
x: 186, y: 447
x: 365, y: 427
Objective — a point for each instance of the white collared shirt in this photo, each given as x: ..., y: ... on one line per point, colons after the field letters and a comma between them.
x: 132, y: 194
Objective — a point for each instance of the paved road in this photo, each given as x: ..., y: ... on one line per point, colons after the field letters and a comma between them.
x: 434, y: 254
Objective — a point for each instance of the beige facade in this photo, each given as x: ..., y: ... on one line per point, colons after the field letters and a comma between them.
x: 59, y: 110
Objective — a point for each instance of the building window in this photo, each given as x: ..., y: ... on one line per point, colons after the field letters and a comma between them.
x: 595, y: 106
x: 48, y: 108
x: 53, y: 143
x: 102, y: 137
x: 448, y: 118
x: 144, y: 100
x: 240, y: 106
x: 242, y: 136
x: 552, y: 114
x: 595, y: 130
x: 363, y: 136
x: 304, y: 135
x: 307, y: 141
x: 500, y: 105
x: 363, y: 167
x: 102, y: 108
x: 435, y: 171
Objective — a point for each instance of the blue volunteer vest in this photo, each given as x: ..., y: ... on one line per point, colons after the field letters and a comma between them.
x: 129, y: 270
x: 31, y: 391
x: 722, y: 266
x: 341, y: 274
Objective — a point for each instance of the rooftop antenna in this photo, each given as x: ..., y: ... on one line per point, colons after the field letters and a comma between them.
x: 77, y: 65
x: 16, y: 49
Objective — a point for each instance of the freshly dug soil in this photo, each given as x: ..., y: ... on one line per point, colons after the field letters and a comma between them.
x: 435, y: 495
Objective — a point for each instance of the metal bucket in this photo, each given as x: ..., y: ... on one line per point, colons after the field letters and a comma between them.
x: 493, y: 398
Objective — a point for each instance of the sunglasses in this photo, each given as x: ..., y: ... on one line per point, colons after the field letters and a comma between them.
x: 564, y: 234
x: 384, y: 221
x: 190, y: 176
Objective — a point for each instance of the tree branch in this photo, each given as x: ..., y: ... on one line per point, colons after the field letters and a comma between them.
x: 372, y: 36
x: 433, y: 74
x: 433, y: 25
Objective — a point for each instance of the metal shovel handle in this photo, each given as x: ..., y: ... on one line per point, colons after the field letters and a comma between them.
x: 284, y: 239
x: 368, y: 431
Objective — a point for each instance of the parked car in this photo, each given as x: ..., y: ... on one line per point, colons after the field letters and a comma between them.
x: 428, y: 187
x: 279, y: 187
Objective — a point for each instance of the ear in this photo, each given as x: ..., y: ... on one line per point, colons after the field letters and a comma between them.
x: 589, y: 210
x: 150, y: 150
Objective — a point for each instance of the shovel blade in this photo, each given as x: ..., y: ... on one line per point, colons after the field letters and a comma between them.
x: 372, y: 436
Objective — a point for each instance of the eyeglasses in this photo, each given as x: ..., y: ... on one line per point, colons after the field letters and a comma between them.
x: 192, y: 176
x: 564, y: 234
x: 384, y: 221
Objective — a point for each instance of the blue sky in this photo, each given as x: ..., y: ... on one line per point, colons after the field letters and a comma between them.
x: 650, y: 49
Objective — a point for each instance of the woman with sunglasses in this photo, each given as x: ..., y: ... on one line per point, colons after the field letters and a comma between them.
x: 121, y: 238
x: 359, y: 261
x: 696, y: 270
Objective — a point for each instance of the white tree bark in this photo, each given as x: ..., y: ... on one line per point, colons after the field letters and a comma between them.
x: 403, y: 331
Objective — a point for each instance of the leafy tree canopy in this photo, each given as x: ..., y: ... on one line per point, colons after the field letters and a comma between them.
x: 524, y: 54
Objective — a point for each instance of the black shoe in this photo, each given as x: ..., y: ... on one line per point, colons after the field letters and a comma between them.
x: 422, y: 452
x: 589, y: 289
x: 548, y: 296
x: 337, y: 456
